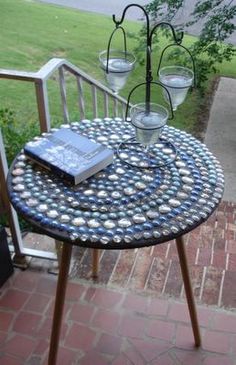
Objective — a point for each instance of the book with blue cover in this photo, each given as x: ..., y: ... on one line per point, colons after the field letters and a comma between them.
x: 69, y: 154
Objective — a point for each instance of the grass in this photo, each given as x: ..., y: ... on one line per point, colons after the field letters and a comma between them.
x: 32, y: 33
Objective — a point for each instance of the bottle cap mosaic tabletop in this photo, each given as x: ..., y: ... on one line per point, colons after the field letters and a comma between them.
x: 122, y: 206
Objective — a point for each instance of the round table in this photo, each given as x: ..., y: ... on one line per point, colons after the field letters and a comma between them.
x: 123, y: 206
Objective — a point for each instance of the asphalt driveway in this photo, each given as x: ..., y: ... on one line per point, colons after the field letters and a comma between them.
x: 109, y: 7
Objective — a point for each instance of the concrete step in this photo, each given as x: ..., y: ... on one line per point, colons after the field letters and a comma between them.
x: 221, y: 133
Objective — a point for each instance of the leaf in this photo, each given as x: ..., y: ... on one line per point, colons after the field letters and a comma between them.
x: 211, y: 48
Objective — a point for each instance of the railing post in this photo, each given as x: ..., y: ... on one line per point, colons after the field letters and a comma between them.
x: 95, y: 101
x: 19, y: 257
x: 80, y: 97
x: 63, y: 94
x: 43, y: 105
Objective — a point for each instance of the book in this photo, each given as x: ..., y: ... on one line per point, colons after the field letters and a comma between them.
x: 69, y: 155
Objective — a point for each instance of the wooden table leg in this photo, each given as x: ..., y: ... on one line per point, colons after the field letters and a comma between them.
x: 59, y: 302
x: 188, y: 290
x: 95, y: 264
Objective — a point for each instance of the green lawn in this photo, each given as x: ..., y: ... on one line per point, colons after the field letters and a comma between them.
x: 32, y: 33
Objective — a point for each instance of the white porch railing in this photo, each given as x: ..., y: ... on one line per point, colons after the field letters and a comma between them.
x: 112, y: 105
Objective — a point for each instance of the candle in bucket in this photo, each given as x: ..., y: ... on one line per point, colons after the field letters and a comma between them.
x: 177, y: 80
x: 148, y: 119
x: 120, y: 64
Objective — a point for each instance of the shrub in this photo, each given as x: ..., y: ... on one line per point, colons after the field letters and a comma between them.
x: 211, y: 47
x: 15, y: 135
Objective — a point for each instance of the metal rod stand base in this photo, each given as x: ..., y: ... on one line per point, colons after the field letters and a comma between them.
x: 95, y: 264
x: 188, y: 290
x: 59, y: 303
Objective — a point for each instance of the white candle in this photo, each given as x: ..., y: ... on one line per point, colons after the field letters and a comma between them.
x: 177, y: 80
x: 119, y: 65
x: 148, y: 123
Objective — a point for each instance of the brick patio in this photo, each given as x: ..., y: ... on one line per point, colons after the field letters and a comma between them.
x: 211, y: 251
x: 135, y: 313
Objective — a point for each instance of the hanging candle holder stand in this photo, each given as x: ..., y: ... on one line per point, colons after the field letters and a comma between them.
x: 149, y: 148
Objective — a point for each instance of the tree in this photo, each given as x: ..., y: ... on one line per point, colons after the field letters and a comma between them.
x: 211, y: 47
